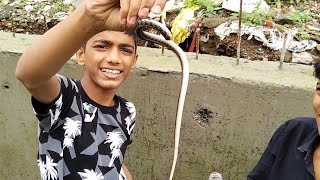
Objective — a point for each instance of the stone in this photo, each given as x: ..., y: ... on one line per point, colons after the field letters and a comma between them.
x: 5, y: 13
x: 215, y: 176
x: 318, y: 47
x: 281, y: 19
x: 19, y: 30
x: 212, y: 22
x: 302, y: 58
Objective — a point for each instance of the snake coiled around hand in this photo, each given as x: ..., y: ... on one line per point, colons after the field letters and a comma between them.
x: 165, y: 41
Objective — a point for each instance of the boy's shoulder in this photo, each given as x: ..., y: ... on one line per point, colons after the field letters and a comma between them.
x: 305, y: 122
x: 304, y: 127
x: 126, y: 102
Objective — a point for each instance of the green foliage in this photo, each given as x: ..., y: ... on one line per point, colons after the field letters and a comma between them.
x: 1, y: 5
x: 207, y: 5
x: 298, y: 16
x: 303, y: 35
x: 21, y: 3
x: 57, y: 6
x: 60, y: 6
x: 286, y: 1
x: 256, y: 17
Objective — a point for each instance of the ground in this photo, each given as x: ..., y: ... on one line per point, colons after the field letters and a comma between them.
x: 38, y: 22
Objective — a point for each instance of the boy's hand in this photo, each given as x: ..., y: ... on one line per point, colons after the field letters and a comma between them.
x: 117, y: 14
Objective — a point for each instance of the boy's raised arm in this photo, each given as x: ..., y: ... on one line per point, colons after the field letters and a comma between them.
x: 38, y: 65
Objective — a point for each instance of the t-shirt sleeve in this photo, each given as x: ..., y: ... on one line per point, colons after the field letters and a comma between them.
x: 262, y: 170
x: 51, y: 115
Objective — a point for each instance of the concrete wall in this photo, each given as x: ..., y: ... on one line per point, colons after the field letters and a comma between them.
x: 230, y: 113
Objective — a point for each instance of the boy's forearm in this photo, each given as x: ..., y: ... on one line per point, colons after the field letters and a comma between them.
x: 126, y: 172
x: 44, y: 58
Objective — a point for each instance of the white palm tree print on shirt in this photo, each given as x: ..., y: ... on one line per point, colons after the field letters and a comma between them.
x: 89, y: 118
x: 129, y: 120
x: 128, y: 123
x: 51, y: 171
x: 90, y: 175
x: 91, y: 110
x: 115, y: 154
x: 57, y: 110
x: 67, y: 142
x: 73, y: 128
x: 131, y: 109
x: 115, y: 140
x: 43, y: 169
x: 48, y: 171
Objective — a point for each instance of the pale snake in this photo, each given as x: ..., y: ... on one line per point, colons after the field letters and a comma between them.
x: 165, y: 41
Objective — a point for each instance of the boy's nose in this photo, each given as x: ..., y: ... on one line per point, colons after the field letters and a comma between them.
x: 113, y: 56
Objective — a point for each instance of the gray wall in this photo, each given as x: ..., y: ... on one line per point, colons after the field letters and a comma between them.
x: 230, y: 113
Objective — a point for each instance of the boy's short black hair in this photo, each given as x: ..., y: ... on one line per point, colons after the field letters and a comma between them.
x: 316, y: 72
x: 128, y: 32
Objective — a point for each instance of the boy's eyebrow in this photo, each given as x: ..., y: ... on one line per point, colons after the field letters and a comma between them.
x: 110, y: 43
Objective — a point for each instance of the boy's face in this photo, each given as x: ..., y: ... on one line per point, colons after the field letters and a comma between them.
x: 108, y: 58
x: 316, y: 104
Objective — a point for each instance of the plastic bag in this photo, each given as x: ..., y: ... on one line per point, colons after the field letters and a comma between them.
x: 247, y: 5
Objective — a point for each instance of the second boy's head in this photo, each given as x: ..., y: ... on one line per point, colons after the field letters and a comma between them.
x: 316, y: 96
x: 108, y: 57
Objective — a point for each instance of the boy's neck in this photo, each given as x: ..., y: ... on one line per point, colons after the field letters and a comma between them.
x: 104, y: 97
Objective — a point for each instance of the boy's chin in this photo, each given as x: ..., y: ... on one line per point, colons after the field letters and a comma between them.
x: 109, y: 85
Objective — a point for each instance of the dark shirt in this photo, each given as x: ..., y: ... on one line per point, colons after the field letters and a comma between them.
x: 81, y: 139
x: 289, y: 153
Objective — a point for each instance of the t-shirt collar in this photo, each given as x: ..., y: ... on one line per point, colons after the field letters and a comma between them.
x: 309, y: 148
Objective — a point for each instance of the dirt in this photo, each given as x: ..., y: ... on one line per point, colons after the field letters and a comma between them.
x: 250, y: 49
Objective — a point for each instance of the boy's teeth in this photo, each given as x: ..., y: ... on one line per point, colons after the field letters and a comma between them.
x: 111, y: 71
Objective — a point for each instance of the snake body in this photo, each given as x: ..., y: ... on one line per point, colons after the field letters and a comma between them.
x: 165, y: 41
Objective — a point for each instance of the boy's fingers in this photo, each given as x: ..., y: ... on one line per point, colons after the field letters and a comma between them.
x: 158, y: 6
x: 124, y: 10
x: 145, y: 7
x: 133, y: 11
x: 154, y: 6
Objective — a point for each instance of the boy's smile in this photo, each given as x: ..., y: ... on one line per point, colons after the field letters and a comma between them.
x: 111, y: 73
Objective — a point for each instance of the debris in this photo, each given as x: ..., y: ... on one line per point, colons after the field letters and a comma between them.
x: 312, y: 28
x: 248, y: 6
x: 205, y: 38
x: 300, y: 46
x: 28, y: 7
x: 275, y: 38
x: 302, y: 58
x: 180, y: 25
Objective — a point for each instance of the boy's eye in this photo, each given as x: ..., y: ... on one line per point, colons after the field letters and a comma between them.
x: 127, y: 50
x: 100, y: 46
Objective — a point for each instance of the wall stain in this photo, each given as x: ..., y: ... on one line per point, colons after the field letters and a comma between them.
x: 6, y: 85
x: 204, y: 116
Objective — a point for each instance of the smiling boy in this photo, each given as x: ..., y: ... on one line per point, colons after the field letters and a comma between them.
x: 84, y: 127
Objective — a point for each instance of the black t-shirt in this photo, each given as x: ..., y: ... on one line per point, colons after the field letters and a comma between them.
x: 289, y: 153
x: 80, y: 139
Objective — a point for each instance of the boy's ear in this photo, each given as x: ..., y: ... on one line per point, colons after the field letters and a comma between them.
x: 80, y: 56
x: 134, y: 63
